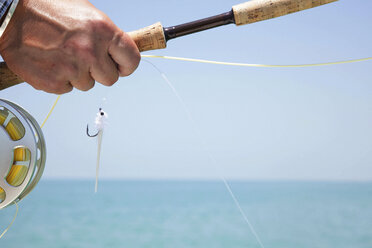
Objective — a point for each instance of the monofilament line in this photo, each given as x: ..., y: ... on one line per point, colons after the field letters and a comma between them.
x: 209, y: 154
x: 242, y: 213
x: 11, y: 223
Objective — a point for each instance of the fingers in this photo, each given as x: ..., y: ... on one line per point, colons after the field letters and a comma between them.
x: 58, y: 88
x: 101, y: 53
x: 54, y: 87
x: 84, y: 82
x: 120, y: 59
x: 104, y: 70
x: 125, y: 53
x: 47, y: 82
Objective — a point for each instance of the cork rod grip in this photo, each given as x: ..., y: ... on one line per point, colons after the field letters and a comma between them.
x: 259, y: 10
x: 149, y: 38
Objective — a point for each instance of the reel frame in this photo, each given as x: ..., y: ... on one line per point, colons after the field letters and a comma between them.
x: 32, y: 140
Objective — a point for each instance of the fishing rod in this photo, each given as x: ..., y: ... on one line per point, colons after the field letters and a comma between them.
x: 156, y: 36
x: 22, y: 146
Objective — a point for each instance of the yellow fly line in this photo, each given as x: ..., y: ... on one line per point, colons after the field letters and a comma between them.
x: 50, y: 111
x: 255, y: 65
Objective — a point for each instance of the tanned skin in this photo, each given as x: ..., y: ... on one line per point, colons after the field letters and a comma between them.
x: 58, y: 45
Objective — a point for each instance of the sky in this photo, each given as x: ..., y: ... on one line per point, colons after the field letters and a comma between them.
x: 257, y: 123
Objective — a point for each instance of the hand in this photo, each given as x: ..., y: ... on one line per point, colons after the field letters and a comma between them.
x: 56, y: 45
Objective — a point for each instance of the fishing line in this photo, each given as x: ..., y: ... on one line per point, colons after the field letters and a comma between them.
x: 204, y: 146
x: 11, y: 223
x: 50, y: 111
x: 256, y: 65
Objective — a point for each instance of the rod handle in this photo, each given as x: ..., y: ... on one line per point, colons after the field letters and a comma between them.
x: 149, y: 38
x: 7, y: 77
x: 260, y: 10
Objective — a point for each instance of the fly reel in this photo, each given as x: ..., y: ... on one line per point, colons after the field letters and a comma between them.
x: 22, y: 153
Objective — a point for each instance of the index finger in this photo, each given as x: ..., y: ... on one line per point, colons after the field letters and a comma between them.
x: 125, y: 53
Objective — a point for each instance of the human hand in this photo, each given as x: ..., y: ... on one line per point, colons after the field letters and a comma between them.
x: 56, y: 45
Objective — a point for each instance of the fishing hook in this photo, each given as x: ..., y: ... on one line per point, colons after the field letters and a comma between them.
x: 89, y: 135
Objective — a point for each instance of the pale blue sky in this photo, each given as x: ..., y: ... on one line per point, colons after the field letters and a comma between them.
x: 309, y: 123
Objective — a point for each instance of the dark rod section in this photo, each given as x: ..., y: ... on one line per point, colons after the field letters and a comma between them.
x: 199, y: 25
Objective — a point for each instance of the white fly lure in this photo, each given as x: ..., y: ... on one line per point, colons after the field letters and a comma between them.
x: 100, y: 122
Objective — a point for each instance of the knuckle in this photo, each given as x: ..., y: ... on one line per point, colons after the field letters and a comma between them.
x: 87, y: 51
x: 71, y: 70
x: 100, y: 24
x: 82, y: 47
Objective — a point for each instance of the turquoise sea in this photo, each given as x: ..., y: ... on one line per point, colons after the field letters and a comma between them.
x: 191, y: 214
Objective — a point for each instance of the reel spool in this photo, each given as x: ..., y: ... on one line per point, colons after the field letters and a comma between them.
x: 22, y: 153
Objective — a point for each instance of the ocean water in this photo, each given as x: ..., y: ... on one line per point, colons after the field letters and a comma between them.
x: 191, y: 214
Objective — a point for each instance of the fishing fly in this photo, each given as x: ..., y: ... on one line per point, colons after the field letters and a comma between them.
x: 100, y: 123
